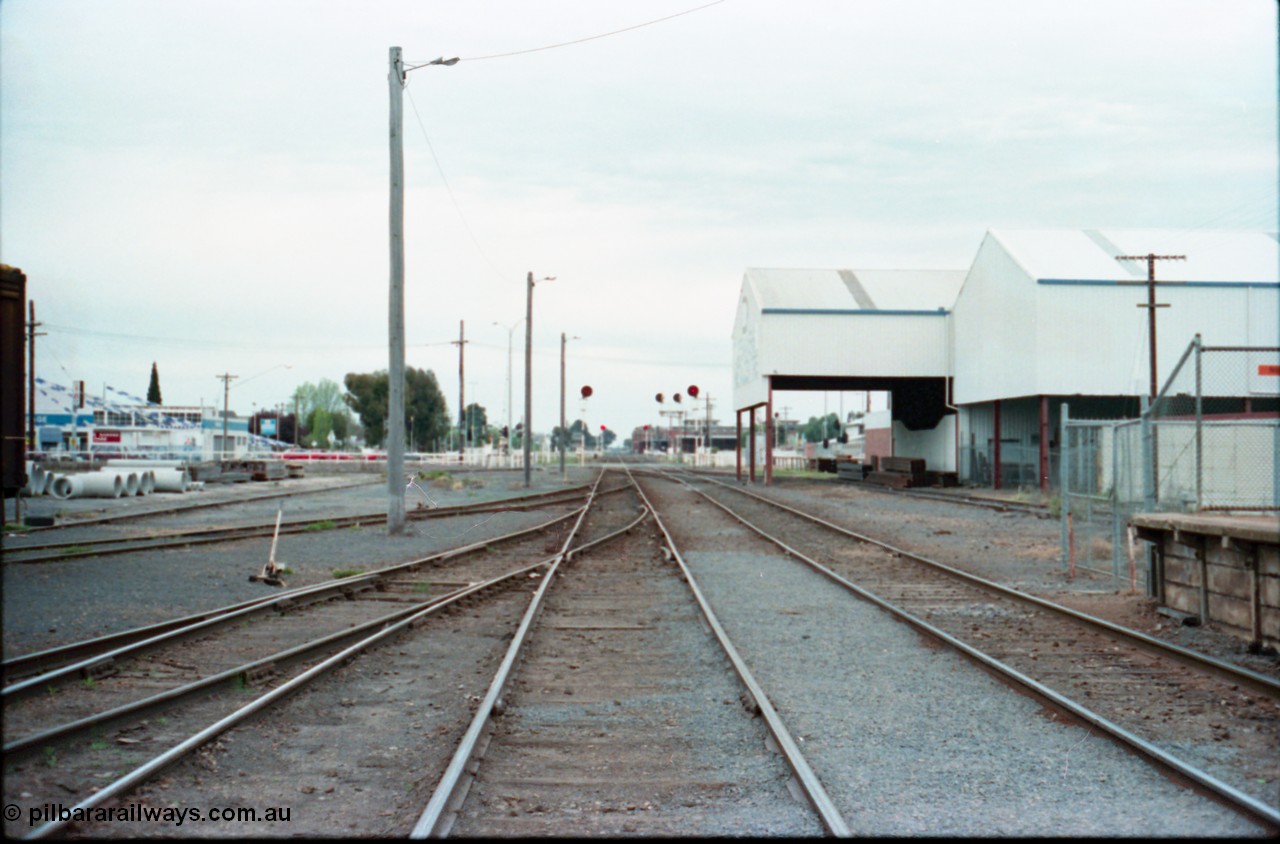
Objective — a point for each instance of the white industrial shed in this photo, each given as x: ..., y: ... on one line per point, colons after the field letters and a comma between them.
x: 1040, y: 317
x: 841, y: 329
x: 1047, y: 316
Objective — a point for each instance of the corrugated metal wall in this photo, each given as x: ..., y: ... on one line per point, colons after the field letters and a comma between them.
x: 1020, y: 435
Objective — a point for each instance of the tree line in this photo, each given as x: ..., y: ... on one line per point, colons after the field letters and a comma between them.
x: 359, y: 412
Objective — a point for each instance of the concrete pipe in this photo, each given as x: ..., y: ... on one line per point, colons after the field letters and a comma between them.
x: 36, y: 479
x: 96, y: 485
x: 146, y: 482
x: 129, y: 479
x: 59, y: 486
x: 176, y: 479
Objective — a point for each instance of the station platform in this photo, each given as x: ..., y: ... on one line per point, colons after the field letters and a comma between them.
x: 1220, y: 569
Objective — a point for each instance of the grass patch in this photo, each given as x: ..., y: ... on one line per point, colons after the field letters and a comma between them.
x: 323, y: 524
x: 75, y: 549
x: 812, y: 474
x: 10, y: 528
x: 340, y: 573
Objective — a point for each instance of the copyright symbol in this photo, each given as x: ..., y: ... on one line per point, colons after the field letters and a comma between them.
x: 12, y: 812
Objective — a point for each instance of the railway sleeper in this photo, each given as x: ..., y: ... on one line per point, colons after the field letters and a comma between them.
x: 258, y: 675
x: 98, y: 670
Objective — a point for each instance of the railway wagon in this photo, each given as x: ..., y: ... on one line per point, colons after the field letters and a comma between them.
x: 13, y: 303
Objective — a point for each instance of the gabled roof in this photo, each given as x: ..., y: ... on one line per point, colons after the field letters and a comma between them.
x: 1089, y: 255
x: 853, y: 291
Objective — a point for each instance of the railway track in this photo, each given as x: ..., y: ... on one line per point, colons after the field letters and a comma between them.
x: 18, y: 550
x: 132, y: 514
x: 161, y: 691
x: 1154, y: 696
x: 618, y: 716
x: 564, y: 683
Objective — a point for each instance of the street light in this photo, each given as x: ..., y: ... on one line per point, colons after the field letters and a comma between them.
x: 395, y: 301
x: 510, y: 332
x: 528, y: 378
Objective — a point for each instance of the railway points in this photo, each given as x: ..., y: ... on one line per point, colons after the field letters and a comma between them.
x: 614, y: 674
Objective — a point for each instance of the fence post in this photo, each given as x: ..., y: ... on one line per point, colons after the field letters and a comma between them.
x: 1199, y: 427
x: 1064, y: 480
x: 1117, y: 530
x: 1148, y: 460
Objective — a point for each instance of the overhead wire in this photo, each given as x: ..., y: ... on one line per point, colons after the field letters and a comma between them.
x: 581, y: 40
x: 422, y: 126
x: 452, y: 198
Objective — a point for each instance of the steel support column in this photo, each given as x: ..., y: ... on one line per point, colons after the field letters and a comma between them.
x: 1044, y: 443
x: 995, y: 458
x: 737, y: 442
x: 769, y: 435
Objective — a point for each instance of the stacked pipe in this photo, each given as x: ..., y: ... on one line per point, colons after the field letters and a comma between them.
x: 96, y: 485
x: 37, y: 479
x: 134, y: 477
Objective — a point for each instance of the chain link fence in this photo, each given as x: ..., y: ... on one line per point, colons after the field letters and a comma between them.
x: 1209, y: 441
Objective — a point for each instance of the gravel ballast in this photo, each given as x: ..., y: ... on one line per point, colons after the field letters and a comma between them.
x: 913, y: 740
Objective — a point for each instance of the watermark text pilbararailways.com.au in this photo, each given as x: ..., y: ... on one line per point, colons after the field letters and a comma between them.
x: 139, y: 813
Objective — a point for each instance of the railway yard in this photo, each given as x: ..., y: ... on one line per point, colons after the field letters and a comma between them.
x: 630, y: 650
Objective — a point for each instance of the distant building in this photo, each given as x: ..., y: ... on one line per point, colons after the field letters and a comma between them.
x: 118, y: 424
x: 977, y: 362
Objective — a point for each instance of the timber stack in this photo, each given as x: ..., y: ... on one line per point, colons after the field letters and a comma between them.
x: 848, y: 469
x: 901, y: 473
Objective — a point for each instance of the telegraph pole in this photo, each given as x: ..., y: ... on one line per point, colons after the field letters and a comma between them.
x: 563, y: 431
x: 395, y: 307
x: 464, y: 425
x: 32, y: 334
x: 528, y: 379
x: 528, y: 383
x: 226, y: 397
x: 1154, y: 387
x: 1151, y: 306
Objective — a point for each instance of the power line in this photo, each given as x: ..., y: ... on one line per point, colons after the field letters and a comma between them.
x: 449, y: 189
x: 593, y: 37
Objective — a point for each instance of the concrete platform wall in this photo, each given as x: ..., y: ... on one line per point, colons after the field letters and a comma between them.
x: 1243, y: 584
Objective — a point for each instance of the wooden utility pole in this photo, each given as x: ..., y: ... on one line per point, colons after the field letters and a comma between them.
x: 395, y: 307
x: 1151, y: 306
x: 1154, y: 386
x: 226, y: 397
x: 527, y: 436
x: 32, y: 334
x: 464, y: 423
x: 563, y: 431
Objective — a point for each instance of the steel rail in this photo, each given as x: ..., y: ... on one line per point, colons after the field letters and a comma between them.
x: 1259, y: 683
x: 203, y: 505
x: 808, y: 780
x: 447, y: 798
x: 1256, y: 810
x: 915, y: 492
x: 125, y: 545
x: 281, y: 657
x: 174, y: 754
x: 156, y: 636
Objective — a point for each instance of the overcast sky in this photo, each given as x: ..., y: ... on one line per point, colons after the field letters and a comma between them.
x: 205, y: 184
